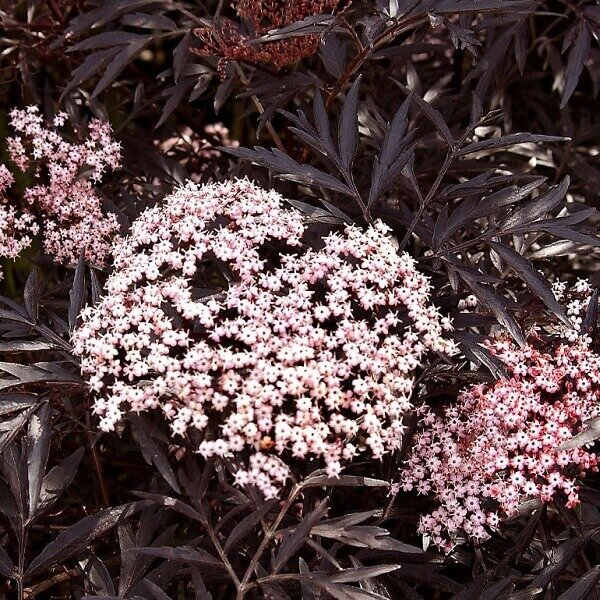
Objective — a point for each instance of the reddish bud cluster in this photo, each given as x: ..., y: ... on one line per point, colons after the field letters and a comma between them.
x: 226, y: 40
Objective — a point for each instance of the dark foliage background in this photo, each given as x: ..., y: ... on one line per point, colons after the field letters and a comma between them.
x: 472, y: 127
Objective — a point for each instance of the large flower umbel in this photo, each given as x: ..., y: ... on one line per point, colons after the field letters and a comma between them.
x: 502, y: 442
x: 304, y: 353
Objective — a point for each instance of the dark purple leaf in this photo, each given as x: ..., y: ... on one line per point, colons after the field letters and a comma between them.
x: 391, y: 150
x: 295, y: 539
x: 322, y: 125
x: 361, y: 573
x: 537, y: 207
x: 90, y: 67
x: 38, y: 447
x: 10, y: 429
x: 508, y: 140
x: 152, y: 591
x: 559, y: 559
x: 310, y: 25
x: 108, y: 39
x: 348, y: 127
x: 76, y: 537
x: 98, y: 576
x: 223, y: 92
x: 533, y: 278
x: 497, y: 304
x: 173, y: 504
x: 577, y: 58
x: 183, y: 554
x: 58, y: 479
x: 119, y: 62
x: 32, y: 293
x: 285, y: 165
x: 108, y: 11
x: 14, y: 402
x: 245, y: 526
x: 584, y: 587
x: 7, y: 569
x: 333, y: 53
x: 144, y: 435
x: 201, y: 593
x: 431, y: 113
x: 77, y: 293
x: 343, y: 592
x: 147, y: 21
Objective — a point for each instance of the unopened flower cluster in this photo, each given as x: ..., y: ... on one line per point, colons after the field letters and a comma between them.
x: 15, y: 229
x: 225, y: 38
x: 500, y: 444
x: 72, y: 217
x: 305, y: 353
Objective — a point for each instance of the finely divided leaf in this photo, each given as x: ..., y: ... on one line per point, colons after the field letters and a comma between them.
x: 76, y: 537
x: 77, y: 293
x: 348, y: 127
x: 38, y: 447
x: 294, y: 540
x: 533, y: 278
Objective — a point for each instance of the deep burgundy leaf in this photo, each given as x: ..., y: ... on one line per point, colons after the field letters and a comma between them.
x: 32, y: 293
x: 183, y: 554
x: 77, y: 293
x: 7, y: 568
x: 76, y: 537
x: 361, y: 573
x: 38, y: 448
x: 244, y: 527
x: 58, y: 479
x: 323, y: 129
x: 348, y: 126
x: 533, y: 278
x: 152, y: 452
x: 584, y: 587
x: 577, y: 58
x: 508, y: 140
x: 294, y: 540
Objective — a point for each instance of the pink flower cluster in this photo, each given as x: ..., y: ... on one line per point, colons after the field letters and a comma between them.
x: 305, y: 353
x: 499, y: 445
x: 575, y: 299
x: 72, y: 216
x: 15, y: 230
